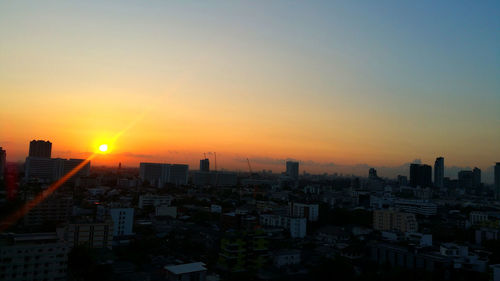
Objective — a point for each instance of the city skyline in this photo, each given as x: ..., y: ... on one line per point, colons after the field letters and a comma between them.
x: 407, y: 81
x: 249, y: 140
x: 281, y: 165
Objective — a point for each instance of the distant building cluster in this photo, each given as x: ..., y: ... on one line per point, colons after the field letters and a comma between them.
x: 162, y: 221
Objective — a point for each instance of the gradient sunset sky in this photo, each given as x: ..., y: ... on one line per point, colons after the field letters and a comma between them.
x: 339, y: 85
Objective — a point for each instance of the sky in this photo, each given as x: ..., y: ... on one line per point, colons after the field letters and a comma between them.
x: 338, y: 85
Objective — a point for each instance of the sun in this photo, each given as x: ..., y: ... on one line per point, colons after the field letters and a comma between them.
x: 103, y: 147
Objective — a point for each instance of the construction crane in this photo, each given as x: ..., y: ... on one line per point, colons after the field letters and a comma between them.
x: 249, y: 167
x: 255, y: 188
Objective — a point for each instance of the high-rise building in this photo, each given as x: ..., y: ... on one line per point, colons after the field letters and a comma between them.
x: 158, y: 174
x: 40, y: 148
x: 205, y: 165
x: 465, y: 180
x: 420, y: 175
x: 439, y: 172
x: 178, y: 174
x: 53, y: 209
x: 52, y: 169
x: 3, y: 158
x: 372, y: 174
x: 292, y: 169
x: 497, y: 181
x: 476, y: 177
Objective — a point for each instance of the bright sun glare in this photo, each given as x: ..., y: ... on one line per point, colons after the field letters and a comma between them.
x: 103, y: 147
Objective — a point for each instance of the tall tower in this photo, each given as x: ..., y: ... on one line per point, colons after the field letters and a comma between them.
x: 439, y: 172
x: 476, y: 177
x: 497, y: 181
x: 40, y: 148
x: 420, y: 175
x: 3, y: 157
x: 205, y: 165
x: 292, y: 169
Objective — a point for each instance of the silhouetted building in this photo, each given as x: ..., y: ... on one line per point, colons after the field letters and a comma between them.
x: 420, y: 175
x: 52, y: 169
x: 215, y: 178
x: 3, y: 159
x: 476, y: 177
x: 205, y: 165
x: 40, y: 148
x: 465, y: 180
x: 372, y: 174
x: 439, y: 172
x: 292, y: 169
x: 497, y: 181
x: 53, y: 209
x: 402, y: 180
x: 158, y: 174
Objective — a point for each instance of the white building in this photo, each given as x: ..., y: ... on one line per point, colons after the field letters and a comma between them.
x: 300, y: 210
x: 123, y: 221
x: 421, y: 207
x: 298, y: 227
x: 33, y: 256
x: 154, y: 200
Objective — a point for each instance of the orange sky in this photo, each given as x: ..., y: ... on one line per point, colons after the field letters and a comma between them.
x: 267, y: 82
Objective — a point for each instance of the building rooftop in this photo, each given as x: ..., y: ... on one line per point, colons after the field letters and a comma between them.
x: 186, y: 268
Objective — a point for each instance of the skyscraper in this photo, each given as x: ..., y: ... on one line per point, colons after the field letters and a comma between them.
x: 205, y: 165
x: 439, y: 172
x: 476, y: 177
x: 292, y: 169
x: 497, y: 181
x: 372, y: 174
x: 158, y: 174
x: 420, y: 175
x: 3, y: 157
x: 465, y: 180
x: 40, y: 148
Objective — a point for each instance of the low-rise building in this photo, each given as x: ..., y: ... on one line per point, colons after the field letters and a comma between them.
x: 286, y: 257
x: 300, y: 210
x: 195, y: 271
x: 89, y: 234
x: 33, y: 256
x: 420, y: 207
x: 389, y: 219
x: 154, y: 200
